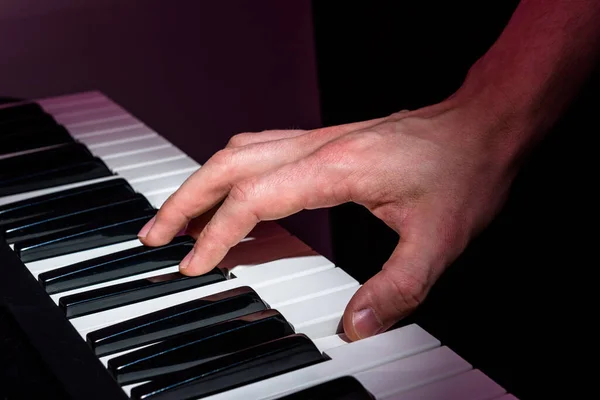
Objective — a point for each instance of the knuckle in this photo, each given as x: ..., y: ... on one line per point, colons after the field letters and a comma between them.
x: 238, y: 140
x: 349, y: 146
x: 223, y: 158
x: 244, y: 191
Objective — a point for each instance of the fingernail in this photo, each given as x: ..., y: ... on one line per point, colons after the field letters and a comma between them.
x: 144, y: 231
x: 186, y: 260
x: 365, y: 323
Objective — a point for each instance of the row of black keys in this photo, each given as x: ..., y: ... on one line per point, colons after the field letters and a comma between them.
x: 28, y: 126
x: 208, y: 346
x: 60, y: 159
x: 233, y: 331
x: 74, y: 220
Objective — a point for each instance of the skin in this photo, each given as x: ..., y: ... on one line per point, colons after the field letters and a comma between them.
x: 437, y: 175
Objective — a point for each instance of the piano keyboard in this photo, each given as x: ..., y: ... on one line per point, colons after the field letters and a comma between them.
x: 80, y: 176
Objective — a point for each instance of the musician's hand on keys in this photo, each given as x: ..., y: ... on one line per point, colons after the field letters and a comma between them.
x: 435, y: 175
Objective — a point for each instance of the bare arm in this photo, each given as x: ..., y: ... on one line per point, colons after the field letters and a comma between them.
x: 436, y: 175
x: 535, y: 68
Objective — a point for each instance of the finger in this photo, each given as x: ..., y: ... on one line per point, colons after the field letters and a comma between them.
x: 305, y: 184
x: 196, y: 225
x: 390, y: 295
x: 210, y: 184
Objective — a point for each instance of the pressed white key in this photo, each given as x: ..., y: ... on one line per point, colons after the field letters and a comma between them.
x: 159, y: 169
x: 117, y: 137
x: 280, y: 247
x: 262, y: 275
x: 411, y: 372
x: 95, y: 128
x: 145, y: 145
x: 161, y: 185
x: 471, y: 385
x: 348, y: 359
x: 321, y: 316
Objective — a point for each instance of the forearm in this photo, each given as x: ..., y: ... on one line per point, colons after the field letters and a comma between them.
x: 534, y: 69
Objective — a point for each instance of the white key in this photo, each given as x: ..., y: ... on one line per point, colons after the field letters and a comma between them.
x: 96, y: 128
x: 158, y: 169
x: 161, y: 185
x: 258, y: 277
x: 145, y: 145
x: 318, y: 316
x: 158, y: 199
x: 56, y: 103
x: 75, y: 109
x: 118, y: 137
x: 105, y: 359
x: 329, y: 342
x: 471, y: 385
x: 506, y: 397
x: 347, y: 359
x: 411, y: 372
x: 84, y: 117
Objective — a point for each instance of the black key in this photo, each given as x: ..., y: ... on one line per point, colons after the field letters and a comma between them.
x: 72, y: 221
x: 175, y: 320
x: 21, y: 141
x: 21, y: 111
x: 117, y: 265
x: 121, y: 294
x: 56, y: 177
x: 33, y: 163
x: 343, y: 388
x: 199, y: 346
x: 30, y: 125
x: 118, y: 225
x: 233, y: 370
x: 79, y: 198
x: 42, y: 169
x: 68, y: 214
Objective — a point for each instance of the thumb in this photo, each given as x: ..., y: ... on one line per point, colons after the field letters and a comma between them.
x: 390, y: 295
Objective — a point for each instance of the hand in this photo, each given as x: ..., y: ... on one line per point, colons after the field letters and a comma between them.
x: 437, y: 176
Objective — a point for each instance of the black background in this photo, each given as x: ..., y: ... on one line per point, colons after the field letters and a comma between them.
x: 509, y: 302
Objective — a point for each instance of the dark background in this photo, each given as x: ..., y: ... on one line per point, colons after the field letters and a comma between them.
x: 511, y: 303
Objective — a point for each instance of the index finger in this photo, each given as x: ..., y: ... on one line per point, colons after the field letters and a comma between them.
x: 306, y: 184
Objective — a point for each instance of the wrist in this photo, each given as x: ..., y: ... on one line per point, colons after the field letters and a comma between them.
x: 506, y: 118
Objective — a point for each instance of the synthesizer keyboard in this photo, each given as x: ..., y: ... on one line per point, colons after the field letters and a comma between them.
x: 111, y: 318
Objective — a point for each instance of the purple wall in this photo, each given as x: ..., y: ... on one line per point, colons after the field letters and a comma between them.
x: 195, y: 71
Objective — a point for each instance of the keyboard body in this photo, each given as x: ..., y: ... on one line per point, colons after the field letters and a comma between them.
x: 45, y: 354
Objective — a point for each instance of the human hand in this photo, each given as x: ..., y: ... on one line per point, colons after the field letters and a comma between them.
x: 436, y: 175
